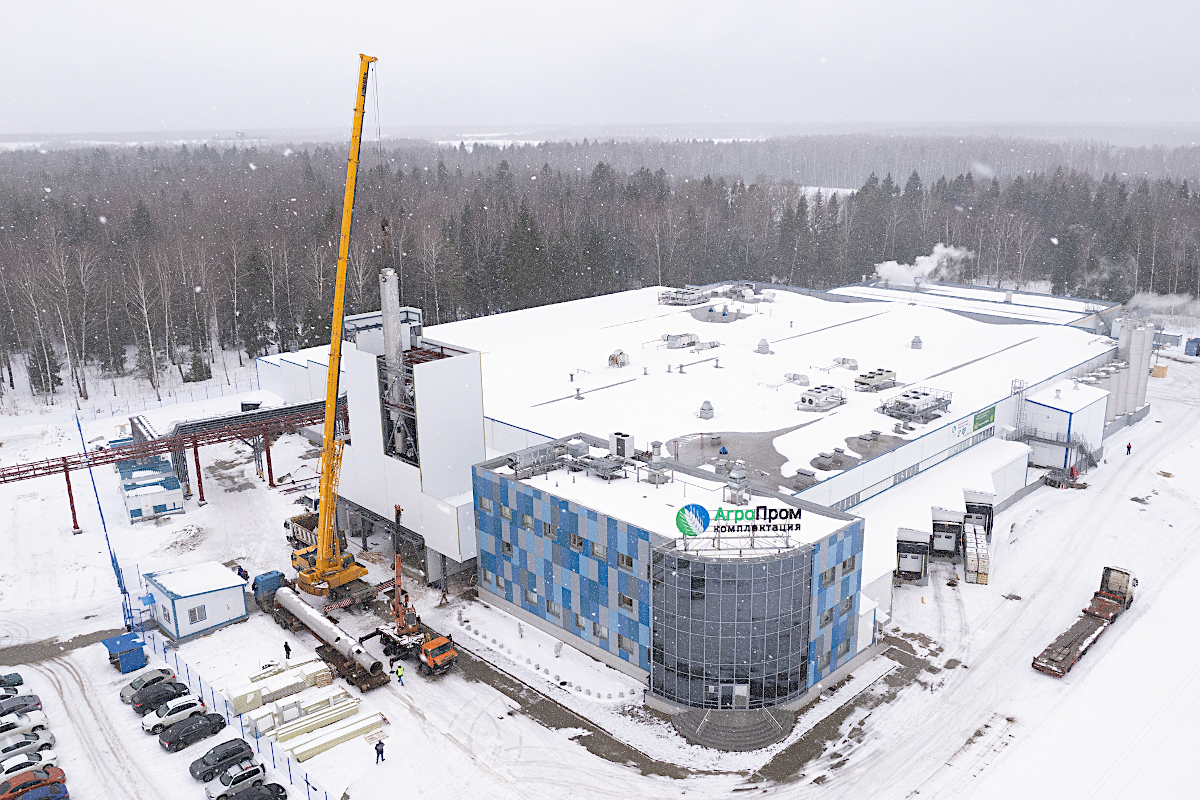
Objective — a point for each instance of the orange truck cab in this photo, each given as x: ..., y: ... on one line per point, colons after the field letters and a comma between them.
x: 437, y: 656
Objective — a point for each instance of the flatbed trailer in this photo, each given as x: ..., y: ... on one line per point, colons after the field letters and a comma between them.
x: 1114, y: 597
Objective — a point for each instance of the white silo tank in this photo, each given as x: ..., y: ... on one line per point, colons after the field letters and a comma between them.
x: 1122, y: 377
x: 1146, y: 340
x: 1105, y: 378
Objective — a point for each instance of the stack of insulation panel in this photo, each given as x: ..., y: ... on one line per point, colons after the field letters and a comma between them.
x: 270, y: 716
x: 976, y: 559
x: 305, y: 747
x: 265, y: 690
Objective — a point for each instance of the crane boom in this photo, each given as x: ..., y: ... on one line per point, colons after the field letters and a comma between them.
x: 332, y: 568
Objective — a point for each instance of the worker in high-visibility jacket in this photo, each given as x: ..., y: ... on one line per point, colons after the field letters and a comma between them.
x: 400, y: 673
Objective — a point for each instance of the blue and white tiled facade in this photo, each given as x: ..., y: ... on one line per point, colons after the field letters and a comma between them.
x: 707, y: 630
x: 526, y: 557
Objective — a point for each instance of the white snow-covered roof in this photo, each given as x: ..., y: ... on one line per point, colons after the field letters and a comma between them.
x: 1026, y: 307
x: 1069, y: 396
x: 158, y: 487
x: 194, y: 579
x: 909, y: 504
x: 535, y: 360
x: 654, y: 507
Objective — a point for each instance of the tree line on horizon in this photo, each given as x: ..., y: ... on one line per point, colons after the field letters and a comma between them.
x: 176, y: 253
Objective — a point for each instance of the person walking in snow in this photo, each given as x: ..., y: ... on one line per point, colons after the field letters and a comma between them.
x: 445, y: 597
x: 1129, y: 448
x: 379, y: 752
x: 400, y: 673
x: 287, y: 652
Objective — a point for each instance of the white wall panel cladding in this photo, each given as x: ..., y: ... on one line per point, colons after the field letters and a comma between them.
x: 450, y: 430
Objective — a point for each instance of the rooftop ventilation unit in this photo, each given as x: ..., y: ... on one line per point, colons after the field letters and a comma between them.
x: 917, y: 405
x: 875, y: 380
x: 677, y: 341
x: 821, y: 398
x: 618, y: 358
x: 849, y: 363
x: 764, y: 348
x: 917, y: 343
x: 657, y: 470
x: 706, y: 410
x: 682, y: 297
x: 577, y: 448
x: 620, y: 445
x: 796, y: 378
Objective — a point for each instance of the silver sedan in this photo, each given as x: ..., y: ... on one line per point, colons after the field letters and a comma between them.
x: 11, y: 746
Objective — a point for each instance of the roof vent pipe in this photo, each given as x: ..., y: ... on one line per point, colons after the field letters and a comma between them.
x: 706, y: 410
x: 1058, y: 394
x: 917, y: 343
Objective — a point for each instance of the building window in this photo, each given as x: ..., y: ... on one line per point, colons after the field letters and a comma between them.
x: 489, y: 576
x: 847, y: 502
x: 823, y: 662
x: 506, y: 548
x: 506, y: 513
x: 599, y: 632
x: 197, y: 614
x: 546, y: 532
x: 843, y: 648
x: 625, y: 562
x: 485, y: 504
x: 580, y: 622
x: 166, y: 613
x: 828, y: 577
x: 527, y: 522
x: 905, y: 474
x: 137, y: 512
x: 552, y: 609
x: 531, y: 597
x: 599, y: 552
x: 827, y: 618
x: 849, y: 564
x: 576, y: 542
x: 847, y: 606
x: 625, y: 602
x: 627, y: 644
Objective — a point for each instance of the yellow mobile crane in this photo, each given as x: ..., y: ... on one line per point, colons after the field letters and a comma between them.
x: 332, y: 570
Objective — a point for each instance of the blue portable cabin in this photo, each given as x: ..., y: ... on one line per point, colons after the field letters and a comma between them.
x: 147, y: 499
x: 125, y: 652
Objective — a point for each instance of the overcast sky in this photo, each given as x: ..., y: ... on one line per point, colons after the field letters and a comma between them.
x: 119, y: 65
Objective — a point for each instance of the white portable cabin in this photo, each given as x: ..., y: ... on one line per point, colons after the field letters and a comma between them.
x: 153, y: 497
x: 197, y: 599
x: 1065, y: 412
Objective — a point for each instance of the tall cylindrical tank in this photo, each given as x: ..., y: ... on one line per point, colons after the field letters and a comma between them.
x: 1145, y: 338
x: 326, y: 631
x: 1122, y: 377
x: 1104, y: 381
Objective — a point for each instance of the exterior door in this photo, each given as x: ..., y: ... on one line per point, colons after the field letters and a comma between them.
x: 726, y: 696
x: 741, y: 696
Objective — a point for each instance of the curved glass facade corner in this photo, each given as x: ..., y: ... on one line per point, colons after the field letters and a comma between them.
x: 730, y: 632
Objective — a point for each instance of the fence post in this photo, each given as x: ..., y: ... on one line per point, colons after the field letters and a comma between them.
x: 272, y: 755
x: 290, y: 781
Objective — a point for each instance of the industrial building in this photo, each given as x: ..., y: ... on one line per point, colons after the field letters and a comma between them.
x: 149, y: 489
x: 194, y: 600
x: 724, y: 385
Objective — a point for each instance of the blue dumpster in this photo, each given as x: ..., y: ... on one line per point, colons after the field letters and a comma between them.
x: 125, y: 652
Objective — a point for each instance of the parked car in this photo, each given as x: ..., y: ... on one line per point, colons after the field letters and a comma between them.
x: 150, y: 698
x: 171, y: 712
x: 17, y: 785
x: 20, y: 704
x: 30, y: 722
x: 11, y: 679
x: 55, y: 791
x: 9, y: 691
x: 189, y: 731
x: 25, y: 743
x: 28, y: 761
x: 267, y: 791
x: 214, y: 762
x: 241, y: 775
x: 145, y: 678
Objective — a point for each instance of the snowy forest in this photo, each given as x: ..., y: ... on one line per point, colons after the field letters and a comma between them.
x: 150, y: 261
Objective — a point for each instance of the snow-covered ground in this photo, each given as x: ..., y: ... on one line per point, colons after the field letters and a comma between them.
x: 984, y: 724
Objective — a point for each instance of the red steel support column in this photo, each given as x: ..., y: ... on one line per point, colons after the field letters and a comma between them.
x: 199, y: 480
x: 267, y: 447
x: 71, y: 498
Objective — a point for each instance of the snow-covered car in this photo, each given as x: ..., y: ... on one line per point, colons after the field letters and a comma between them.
x: 145, y: 678
x: 266, y: 791
x: 28, y: 761
x: 241, y: 775
x: 171, y: 712
x: 31, y: 722
x: 21, y: 704
x: 215, y: 761
x: 53, y: 791
x: 25, y: 783
x: 11, y: 746
x: 149, y: 698
x: 9, y: 691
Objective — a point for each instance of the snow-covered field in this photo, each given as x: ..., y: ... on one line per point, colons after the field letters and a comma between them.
x: 985, y: 724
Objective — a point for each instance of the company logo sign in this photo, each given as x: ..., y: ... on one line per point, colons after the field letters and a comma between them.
x: 693, y: 520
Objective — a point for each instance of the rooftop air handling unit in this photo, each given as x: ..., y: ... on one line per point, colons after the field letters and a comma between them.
x: 875, y: 380
x: 821, y: 398
x: 620, y: 445
x: 618, y: 358
x: 678, y: 341
x: 917, y: 405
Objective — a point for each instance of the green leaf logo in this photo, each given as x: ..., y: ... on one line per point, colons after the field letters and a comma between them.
x: 692, y: 520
